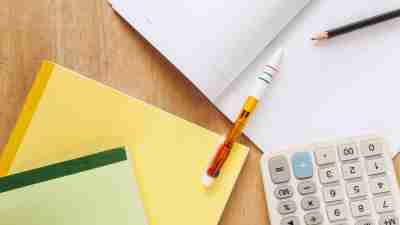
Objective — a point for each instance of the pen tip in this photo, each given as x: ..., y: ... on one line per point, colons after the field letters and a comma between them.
x: 207, y: 181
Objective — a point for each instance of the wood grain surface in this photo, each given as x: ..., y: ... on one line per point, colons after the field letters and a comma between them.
x: 87, y: 36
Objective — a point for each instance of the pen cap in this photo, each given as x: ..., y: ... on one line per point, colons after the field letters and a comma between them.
x: 271, y: 69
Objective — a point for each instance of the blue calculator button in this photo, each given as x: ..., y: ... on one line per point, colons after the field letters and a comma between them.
x: 302, y: 165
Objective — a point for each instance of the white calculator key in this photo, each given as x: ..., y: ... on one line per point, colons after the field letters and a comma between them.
x: 291, y: 220
x: 287, y: 207
x: 309, y: 203
x: 306, y: 187
x: 375, y: 166
x: 331, y: 194
x: 389, y: 220
x: 325, y: 156
x: 356, y: 189
x: 348, y: 151
x: 360, y: 208
x: 328, y: 175
x: 384, y: 204
x: 283, y: 192
x: 336, y: 212
x: 378, y: 185
x: 371, y: 147
x: 313, y: 218
x: 351, y: 170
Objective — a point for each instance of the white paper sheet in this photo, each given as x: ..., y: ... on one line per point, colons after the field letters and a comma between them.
x: 210, y: 41
x: 346, y: 86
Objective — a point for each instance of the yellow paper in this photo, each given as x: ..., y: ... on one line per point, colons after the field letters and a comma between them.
x: 169, y: 154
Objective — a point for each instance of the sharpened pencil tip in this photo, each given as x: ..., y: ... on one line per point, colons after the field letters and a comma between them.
x: 320, y: 36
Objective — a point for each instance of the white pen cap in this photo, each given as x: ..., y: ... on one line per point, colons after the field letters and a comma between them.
x: 271, y: 69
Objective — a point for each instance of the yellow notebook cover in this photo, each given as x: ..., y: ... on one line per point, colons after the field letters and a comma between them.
x: 96, y: 189
x: 65, y: 112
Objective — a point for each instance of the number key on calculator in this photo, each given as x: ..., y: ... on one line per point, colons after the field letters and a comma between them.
x: 345, y: 182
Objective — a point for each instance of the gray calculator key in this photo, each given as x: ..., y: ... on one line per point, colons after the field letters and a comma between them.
x: 364, y: 222
x: 310, y: 202
x: 348, y: 151
x: 313, y: 218
x: 291, y: 220
x: 287, y: 207
x: 306, y: 187
x: 371, y: 147
x: 389, y: 220
x: 279, y: 169
x: 284, y: 191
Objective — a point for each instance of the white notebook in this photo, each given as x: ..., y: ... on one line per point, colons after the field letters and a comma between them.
x: 344, y: 87
x: 210, y: 41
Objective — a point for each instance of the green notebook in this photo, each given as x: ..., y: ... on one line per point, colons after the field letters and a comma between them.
x: 97, y: 189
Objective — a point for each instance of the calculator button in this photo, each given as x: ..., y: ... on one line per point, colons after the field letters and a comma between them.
x: 384, y: 204
x: 283, y: 192
x: 336, y: 212
x: 310, y: 202
x: 356, y: 189
x: 306, y: 187
x: 375, y: 166
x: 371, y: 147
x: 351, y: 170
x: 332, y: 194
x: 328, y: 175
x: 360, y: 208
x: 325, y: 156
x: 302, y: 165
x: 291, y: 220
x: 286, y: 207
x: 364, y: 222
x: 348, y: 151
x: 378, y: 185
x: 389, y: 220
x: 313, y: 218
x: 279, y: 169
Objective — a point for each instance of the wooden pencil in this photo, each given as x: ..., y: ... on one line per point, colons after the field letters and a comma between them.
x: 357, y: 25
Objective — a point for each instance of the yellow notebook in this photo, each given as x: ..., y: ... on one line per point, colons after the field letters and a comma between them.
x: 65, y: 112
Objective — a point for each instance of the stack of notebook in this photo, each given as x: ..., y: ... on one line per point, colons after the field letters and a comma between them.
x: 67, y: 122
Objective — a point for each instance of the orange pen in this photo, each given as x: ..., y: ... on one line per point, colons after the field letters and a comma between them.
x: 263, y: 82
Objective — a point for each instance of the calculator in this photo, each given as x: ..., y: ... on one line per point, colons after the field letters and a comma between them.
x: 350, y: 181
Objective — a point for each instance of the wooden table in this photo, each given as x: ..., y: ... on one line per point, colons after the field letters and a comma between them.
x: 87, y: 36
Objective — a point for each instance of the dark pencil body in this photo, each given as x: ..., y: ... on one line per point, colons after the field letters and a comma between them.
x: 358, y: 25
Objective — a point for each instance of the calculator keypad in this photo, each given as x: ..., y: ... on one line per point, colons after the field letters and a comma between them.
x: 345, y: 183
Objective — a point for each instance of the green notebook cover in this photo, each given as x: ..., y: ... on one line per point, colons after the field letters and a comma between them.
x: 97, y: 189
